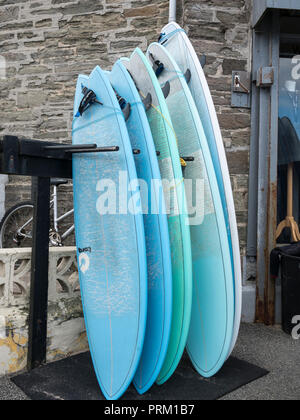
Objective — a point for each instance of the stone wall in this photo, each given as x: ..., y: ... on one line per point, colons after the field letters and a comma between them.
x: 47, y: 43
x: 221, y: 30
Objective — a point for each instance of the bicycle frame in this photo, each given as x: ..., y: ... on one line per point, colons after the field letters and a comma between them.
x: 57, y: 219
x: 54, y: 205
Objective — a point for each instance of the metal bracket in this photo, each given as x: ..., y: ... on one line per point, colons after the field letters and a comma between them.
x: 83, y: 148
x: 241, y: 89
x: 188, y: 158
x: 265, y: 77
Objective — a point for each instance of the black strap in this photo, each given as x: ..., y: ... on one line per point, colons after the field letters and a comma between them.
x: 124, y: 105
x: 157, y: 66
x: 122, y: 101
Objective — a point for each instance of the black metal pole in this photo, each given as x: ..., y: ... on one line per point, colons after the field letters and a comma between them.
x: 37, y: 340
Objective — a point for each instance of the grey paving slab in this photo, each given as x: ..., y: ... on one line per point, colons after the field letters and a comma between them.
x: 9, y: 391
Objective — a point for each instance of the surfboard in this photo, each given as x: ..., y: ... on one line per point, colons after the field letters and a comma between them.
x: 156, y: 230
x: 170, y: 167
x: 110, y: 243
x: 212, y: 317
x: 176, y: 41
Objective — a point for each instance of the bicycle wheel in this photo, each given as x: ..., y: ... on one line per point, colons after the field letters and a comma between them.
x: 16, y: 226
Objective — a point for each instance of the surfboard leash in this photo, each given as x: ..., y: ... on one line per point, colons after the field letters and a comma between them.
x: 89, y: 99
x: 164, y: 38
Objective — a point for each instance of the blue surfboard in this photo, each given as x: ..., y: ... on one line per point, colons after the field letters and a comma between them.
x: 176, y: 41
x: 212, y: 320
x: 165, y: 140
x: 156, y: 230
x: 111, y: 246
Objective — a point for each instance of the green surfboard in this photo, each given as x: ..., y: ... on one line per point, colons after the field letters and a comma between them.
x: 171, y: 172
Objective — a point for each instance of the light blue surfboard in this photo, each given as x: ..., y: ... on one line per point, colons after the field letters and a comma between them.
x: 111, y: 246
x: 156, y: 231
x: 212, y: 320
x: 171, y: 172
x: 176, y: 41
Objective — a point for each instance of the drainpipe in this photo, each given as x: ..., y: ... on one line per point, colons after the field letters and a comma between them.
x: 172, y: 15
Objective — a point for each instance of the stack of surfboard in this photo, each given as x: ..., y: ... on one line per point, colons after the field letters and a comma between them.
x: 163, y: 273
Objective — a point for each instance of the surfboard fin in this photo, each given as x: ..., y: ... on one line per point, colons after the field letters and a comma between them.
x: 147, y: 102
x: 89, y: 99
x: 166, y: 89
x: 202, y: 60
x: 188, y: 76
x: 127, y: 111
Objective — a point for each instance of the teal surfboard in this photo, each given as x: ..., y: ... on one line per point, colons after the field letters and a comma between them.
x: 111, y: 246
x: 212, y: 320
x: 176, y: 41
x: 170, y: 167
x: 159, y: 315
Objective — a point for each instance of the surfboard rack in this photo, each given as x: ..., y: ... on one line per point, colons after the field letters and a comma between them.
x: 42, y: 161
x: 85, y: 148
x: 188, y: 159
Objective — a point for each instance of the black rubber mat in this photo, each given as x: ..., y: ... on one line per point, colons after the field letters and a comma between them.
x: 74, y: 379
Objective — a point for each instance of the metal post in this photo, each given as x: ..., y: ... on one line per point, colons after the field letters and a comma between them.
x: 270, y: 292
x: 37, y: 341
x: 267, y: 172
x: 253, y: 172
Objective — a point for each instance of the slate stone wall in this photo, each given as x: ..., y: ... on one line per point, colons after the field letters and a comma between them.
x: 46, y: 43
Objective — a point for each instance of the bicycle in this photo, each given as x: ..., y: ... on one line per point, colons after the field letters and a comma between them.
x: 17, y: 223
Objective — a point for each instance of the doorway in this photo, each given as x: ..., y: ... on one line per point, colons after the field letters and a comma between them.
x: 288, y: 202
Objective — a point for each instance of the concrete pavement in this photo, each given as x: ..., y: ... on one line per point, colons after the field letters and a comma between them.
x: 272, y: 349
x: 267, y: 347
